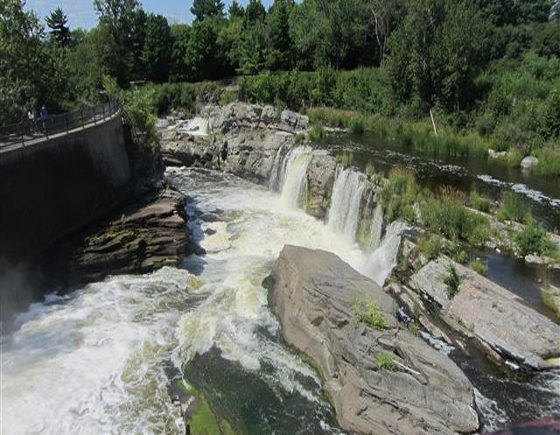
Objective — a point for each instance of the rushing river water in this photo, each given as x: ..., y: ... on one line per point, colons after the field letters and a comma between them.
x: 98, y: 360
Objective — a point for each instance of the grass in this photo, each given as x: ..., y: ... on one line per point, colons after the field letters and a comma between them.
x: 479, y: 202
x: 399, y: 195
x: 430, y: 246
x: 533, y: 239
x: 452, y: 280
x: 417, y: 135
x: 316, y: 133
x: 385, y: 361
x: 512, y: 208
x: 367, y: 313
x: 460, y: 256
x: 549, y: 162
x: 204, y: 422
x: 479, y: 267
x: 513, y: 157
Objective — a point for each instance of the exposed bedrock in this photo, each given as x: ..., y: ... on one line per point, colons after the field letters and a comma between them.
x: 381, y: 381
x: 507, y: 329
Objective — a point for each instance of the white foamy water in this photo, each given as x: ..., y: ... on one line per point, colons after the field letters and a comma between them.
x: 535, y: 195
x: 383, y: 260
x: 377, y: 226
x: 293, y: 179
x: 344, y: 212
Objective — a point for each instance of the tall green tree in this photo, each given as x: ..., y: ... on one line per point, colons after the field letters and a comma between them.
x: 235, y: 10
x: 57, y: 21
x: 202, y: 9
x: 117, y: 19
x: 279, y: 42
x: 431, y: 61
x: 158, y: 45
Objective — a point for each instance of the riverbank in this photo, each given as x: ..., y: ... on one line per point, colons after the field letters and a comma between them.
x: 253, y: 142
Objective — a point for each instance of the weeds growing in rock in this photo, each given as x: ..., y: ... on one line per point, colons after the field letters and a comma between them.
x: 479, y: 267
x: 369, y: 313
x: 399, y: 195
x: 385, y: 361
x: 460, y: 256
x: 533, y: 239
x: 430, y: 246
x: 512, y: 208
x: 452, y: 280
x: 316, y: 133
x: 548, y: 300
x: 479, y: 202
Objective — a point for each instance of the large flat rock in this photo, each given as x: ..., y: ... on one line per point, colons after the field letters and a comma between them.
x: 492, y: 314
x: 313, y: 295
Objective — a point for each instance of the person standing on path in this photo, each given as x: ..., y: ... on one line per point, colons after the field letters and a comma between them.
x: 31, y: 118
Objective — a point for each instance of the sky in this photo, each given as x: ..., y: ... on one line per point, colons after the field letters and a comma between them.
x: 81, y: 13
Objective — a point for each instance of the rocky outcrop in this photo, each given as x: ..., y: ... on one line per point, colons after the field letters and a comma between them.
x: 381, y: 381
x: 490, y: 314
x: 320, y: 180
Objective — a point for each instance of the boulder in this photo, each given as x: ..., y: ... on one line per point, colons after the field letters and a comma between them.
x: 381, y: 381
x: 493, y: 154
x: 491, y: 314
x: 529, y: 162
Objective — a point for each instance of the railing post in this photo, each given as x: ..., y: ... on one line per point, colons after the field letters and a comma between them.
x: 103, y: 112
x: 21, y: 134
x: 66, y: 122
x: 82, y: 116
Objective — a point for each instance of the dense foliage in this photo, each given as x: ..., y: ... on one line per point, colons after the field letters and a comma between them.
x: 489, y: 68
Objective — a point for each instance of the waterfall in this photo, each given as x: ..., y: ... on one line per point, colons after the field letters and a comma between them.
x: 275, y: 174
x: 384, y: 259
x: 377, y: 226
x: 294, y: 175
x: 344, y: 212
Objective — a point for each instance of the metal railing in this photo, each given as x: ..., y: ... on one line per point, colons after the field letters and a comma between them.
x: 27, y: 132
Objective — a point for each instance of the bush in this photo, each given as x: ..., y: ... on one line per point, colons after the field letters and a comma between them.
x: 479, y: 202
x: 549, y: 162
x: 461, y: 256
x: 368, y: 313
x: 385, y: 361
x: 512, y: 208
x: 513, y: 157
x: 533, y: 239
x: 452, y: 280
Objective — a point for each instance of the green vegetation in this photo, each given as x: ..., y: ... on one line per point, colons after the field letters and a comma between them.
x: 460, y: 256
x: 452, y: 280
x: 479, y: 267
x: 513, y: 157
x: 533, y: 239
x: 430, y: 246
x: 399, y: 195
x: 447, y: 215
x: 316, y: 133
x: 204, y: 421
x: 385, y: 361
x: 512, y: 208
x: 368, y: 313
x: 479, y: 202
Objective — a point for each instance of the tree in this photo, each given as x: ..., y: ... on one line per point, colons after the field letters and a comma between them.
x: 60, y: 32
x: 430, y: 59
x: 280, y: 43
x: 24, y: 63
x: 118, y: 21
x: 202, y: 9
x: 158, y: 44
x: 236, y: 10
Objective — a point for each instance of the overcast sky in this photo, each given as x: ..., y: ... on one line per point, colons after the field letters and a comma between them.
x: 81, y: 13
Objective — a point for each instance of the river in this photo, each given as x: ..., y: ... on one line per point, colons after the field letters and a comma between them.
x: 99, y: 360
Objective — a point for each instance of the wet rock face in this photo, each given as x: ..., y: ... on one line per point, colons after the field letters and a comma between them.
x: 505, y: 327
x: 381, y: 381
x: 146, y: 236
x: 320, y: 179
x: 245, y: 140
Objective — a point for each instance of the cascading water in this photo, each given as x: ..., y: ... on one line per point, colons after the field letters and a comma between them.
x: 383, y: 260
x: 294, y: 175
x: 275, y: 174
x: 344, y: 212
x: 377, y: 226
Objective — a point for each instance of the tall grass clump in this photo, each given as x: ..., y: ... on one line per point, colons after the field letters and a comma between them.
x: 479, y: 202
x: 513, y: 208
x: 549, y: 162
x: 399, y: 194
x: 513, y: 157
x: 533, y: 239
x: 447, y: 215
x: 430, y: 246
x: 316, y: 133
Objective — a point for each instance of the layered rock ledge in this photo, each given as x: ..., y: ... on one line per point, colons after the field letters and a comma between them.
x: 507, y: 329
x: 422, y: 391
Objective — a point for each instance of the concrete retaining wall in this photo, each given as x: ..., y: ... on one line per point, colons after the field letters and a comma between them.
x: 51, y: 188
